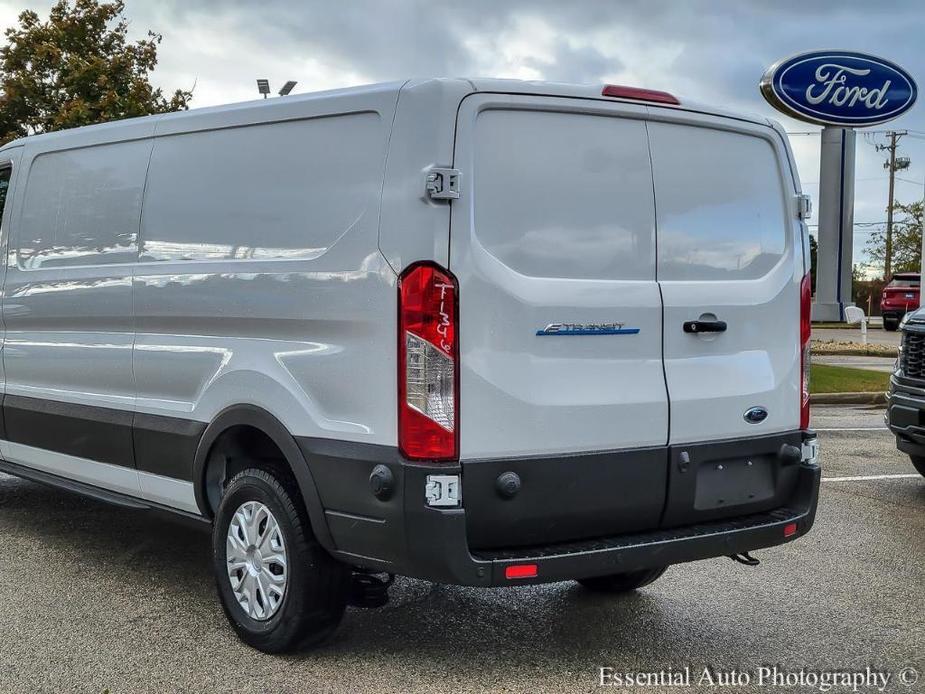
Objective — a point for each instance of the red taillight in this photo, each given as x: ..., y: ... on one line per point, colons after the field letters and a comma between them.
x: 806, y: 297
x: 790, y: 529
x: 638, y: 94
x: 520, y: 571
x: 428, y: 356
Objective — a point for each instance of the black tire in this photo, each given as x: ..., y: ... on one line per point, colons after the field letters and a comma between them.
x: 622, y: 583
x: 890, y: 324
x: 918, y: 464
x: 317, y: 585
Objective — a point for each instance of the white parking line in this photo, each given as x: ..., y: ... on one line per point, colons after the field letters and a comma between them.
x: 851, y: 429
x: 865, y: 478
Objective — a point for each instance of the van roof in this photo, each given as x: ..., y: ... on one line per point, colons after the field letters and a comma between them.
x: 534, y: 87
x: 593, y: 91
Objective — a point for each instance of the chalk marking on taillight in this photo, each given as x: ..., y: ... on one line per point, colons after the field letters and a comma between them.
x: 428, y: 370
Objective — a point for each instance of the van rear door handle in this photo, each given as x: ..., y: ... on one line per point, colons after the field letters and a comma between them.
x: 705, y: 326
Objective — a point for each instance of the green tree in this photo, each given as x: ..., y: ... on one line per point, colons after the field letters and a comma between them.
x: 907, y: 239
x: 77, y: 68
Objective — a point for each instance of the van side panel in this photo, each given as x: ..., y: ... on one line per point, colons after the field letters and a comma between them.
x: 412, y: 227
x: 261, y: 283
x: 9, y: 159
x: 68, y: 307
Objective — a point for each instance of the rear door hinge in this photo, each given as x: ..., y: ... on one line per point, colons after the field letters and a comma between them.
x: 442, y: 184
x: 804, y: 206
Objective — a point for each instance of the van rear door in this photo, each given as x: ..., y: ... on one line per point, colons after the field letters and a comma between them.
x: 729, y: 265
x: 553, y: 244
x: 726, y: 254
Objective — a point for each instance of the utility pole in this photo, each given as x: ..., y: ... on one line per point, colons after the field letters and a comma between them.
x: 893, y: 165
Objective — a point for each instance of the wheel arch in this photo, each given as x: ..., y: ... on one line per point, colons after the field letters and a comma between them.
x: 257, y: 418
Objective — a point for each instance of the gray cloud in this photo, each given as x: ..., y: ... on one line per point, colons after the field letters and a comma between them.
x: 712, y: 51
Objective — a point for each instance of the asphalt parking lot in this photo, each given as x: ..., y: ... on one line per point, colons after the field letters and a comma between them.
x: 96, y: 597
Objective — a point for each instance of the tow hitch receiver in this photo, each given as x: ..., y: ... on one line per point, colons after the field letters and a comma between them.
x: 368, y: 589
x: 745, y: 558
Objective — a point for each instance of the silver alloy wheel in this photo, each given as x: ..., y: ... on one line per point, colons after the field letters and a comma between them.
x: 256, y: 558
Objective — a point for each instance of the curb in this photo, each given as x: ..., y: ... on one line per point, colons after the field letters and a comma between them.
x: 847, y: 398
x: 848, y: 352
x: 846, y: 326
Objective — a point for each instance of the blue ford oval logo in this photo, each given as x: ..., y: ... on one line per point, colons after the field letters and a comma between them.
x: 756, y: 415
x: 839, y: 88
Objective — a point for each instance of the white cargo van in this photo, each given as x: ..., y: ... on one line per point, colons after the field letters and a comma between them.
x: 484, y: 332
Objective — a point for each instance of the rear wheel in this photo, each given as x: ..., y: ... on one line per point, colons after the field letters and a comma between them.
x: 919, y: 464
x: 622, y: 583
x: 890, y: 324
x: 279, y: 588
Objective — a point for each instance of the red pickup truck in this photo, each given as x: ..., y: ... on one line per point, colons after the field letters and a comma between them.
x: 899, y: 296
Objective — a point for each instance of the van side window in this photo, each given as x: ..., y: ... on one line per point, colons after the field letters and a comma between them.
x: 720, y: 204
x: 4, y: 187
x: 281, y: 190
x: 83, y: 206
x: 565, y: 194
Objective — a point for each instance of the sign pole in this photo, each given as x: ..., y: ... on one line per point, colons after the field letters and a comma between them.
x: 836, y: 224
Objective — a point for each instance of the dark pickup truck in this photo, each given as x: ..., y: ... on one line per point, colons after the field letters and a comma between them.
x: 905, y: 414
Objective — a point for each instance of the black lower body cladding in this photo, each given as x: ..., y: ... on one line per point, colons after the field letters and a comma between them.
x: 665, y: 506
x: 575, y: 516
x: 163, y: 446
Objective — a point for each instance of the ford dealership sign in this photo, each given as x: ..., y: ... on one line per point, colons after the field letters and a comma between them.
x: 839, y: 88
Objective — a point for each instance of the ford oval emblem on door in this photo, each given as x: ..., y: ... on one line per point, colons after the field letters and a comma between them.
x: 839, y: 88
x: 756, y: 415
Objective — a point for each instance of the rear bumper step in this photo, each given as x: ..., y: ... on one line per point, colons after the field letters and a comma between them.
x: 644, y: 550
x: 652, y: 540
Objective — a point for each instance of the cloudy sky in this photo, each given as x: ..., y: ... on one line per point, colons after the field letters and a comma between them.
x: 712, y: 51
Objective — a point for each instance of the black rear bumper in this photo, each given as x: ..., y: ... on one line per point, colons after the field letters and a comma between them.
x: 661, y: 547
x: 402, y: 535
